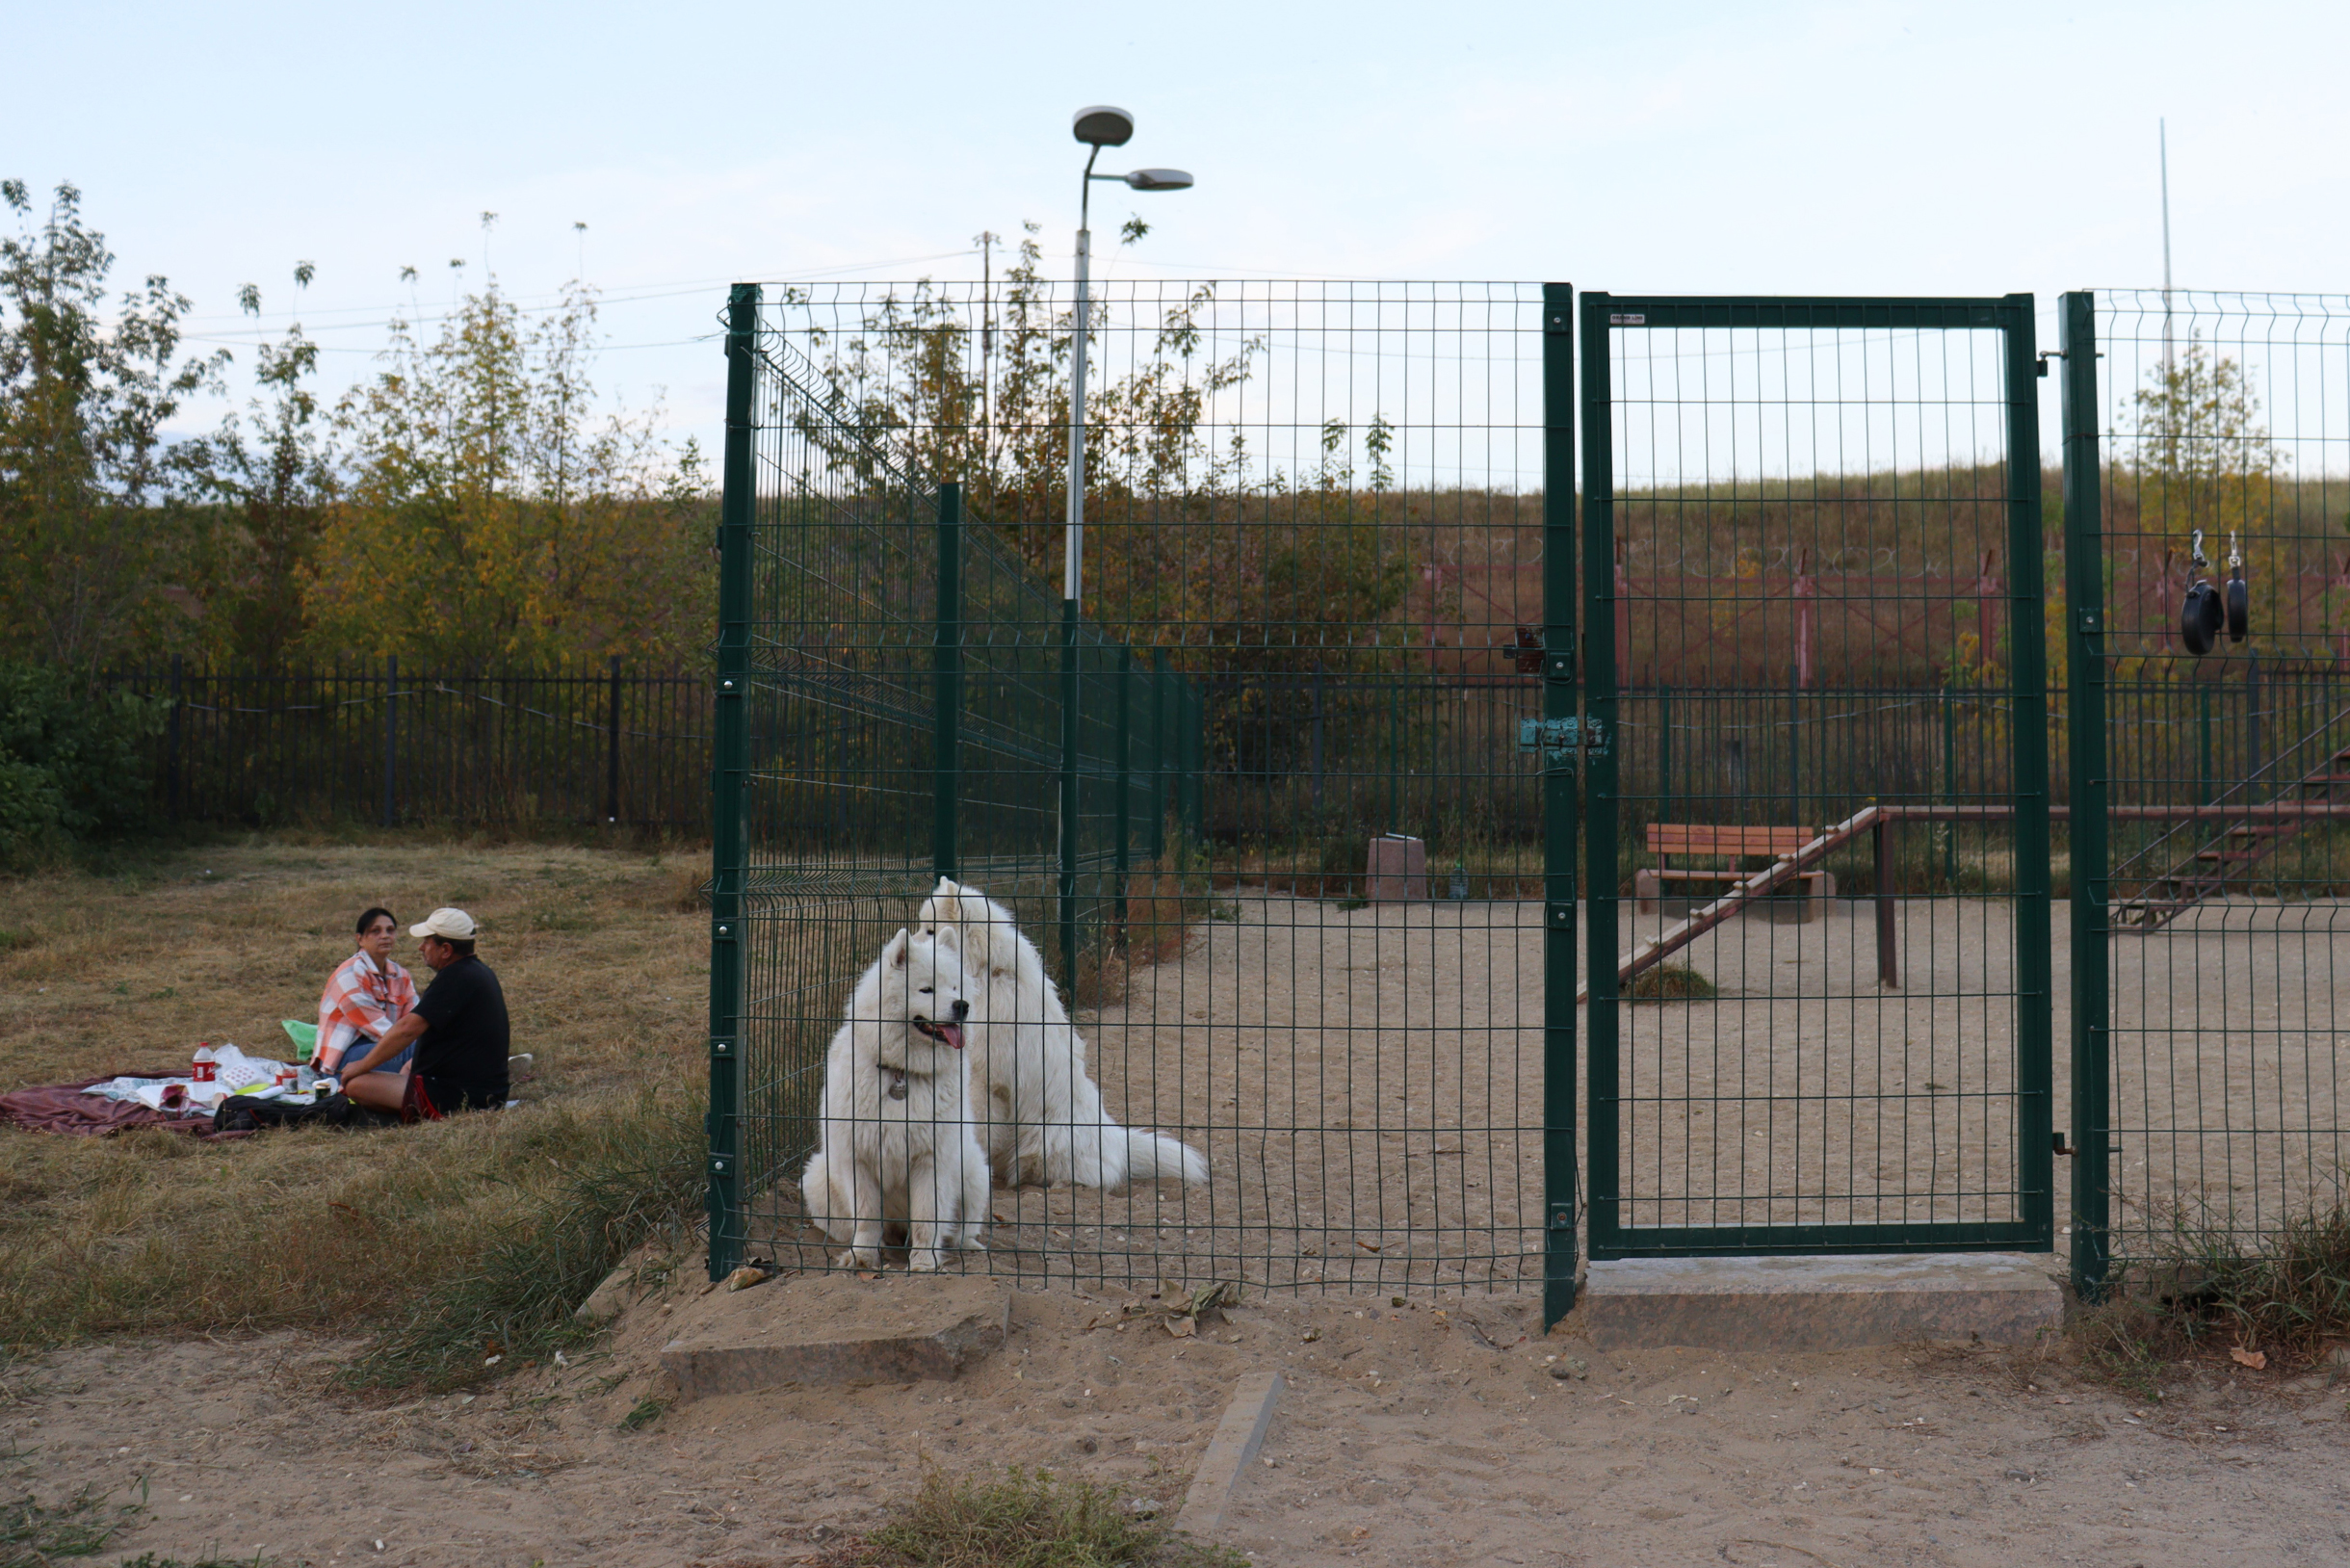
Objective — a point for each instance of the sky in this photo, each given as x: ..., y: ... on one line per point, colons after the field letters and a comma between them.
x: 1888, y: 149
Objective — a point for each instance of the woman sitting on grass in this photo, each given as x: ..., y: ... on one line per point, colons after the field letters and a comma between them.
x: 366, y: 995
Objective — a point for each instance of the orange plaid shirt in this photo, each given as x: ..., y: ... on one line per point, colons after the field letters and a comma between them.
x: 360, y: 997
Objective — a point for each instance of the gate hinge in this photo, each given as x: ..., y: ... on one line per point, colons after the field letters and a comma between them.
x: 1560, y: 739
x: 2091, y: 622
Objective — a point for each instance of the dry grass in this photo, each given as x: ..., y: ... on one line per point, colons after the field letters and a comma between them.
x: 389, y: 1230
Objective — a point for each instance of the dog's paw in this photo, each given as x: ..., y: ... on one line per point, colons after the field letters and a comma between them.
x: 923, y: 1261
x: 858, y: 1258
x: 969, y: 1241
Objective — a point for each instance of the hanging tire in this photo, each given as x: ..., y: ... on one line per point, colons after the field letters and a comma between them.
x: 2239, y: 609
x: 2200, y: 618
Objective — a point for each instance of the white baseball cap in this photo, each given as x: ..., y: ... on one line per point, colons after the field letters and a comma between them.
x: 449, y: 924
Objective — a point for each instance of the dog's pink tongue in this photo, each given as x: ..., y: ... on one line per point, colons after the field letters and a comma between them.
x: 952, y: 1033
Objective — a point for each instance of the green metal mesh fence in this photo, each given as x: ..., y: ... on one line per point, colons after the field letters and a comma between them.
x: 1314, y: 535
x: 2213, y: 930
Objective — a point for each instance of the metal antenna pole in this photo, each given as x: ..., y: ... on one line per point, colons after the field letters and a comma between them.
x: 2163, y: 134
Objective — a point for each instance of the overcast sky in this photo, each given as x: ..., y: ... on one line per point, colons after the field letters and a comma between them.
x: 1804, y: 149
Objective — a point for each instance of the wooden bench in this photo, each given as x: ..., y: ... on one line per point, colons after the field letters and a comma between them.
x: 1722, y: 841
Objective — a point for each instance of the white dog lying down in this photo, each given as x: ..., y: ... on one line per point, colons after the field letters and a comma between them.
x: 896, y: 1145
x: 1043, y: 1113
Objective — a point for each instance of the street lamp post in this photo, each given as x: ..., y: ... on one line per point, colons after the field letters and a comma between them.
x: 1098, y: 126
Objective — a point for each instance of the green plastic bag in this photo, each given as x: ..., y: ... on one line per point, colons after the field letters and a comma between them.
x: 303, y: 1035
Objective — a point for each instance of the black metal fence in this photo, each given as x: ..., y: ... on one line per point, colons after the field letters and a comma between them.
x: 522, y: 749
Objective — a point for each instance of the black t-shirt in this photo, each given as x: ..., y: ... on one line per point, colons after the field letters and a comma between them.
x: 465, y: 1036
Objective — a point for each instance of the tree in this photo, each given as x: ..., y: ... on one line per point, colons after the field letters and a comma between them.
x: 276, y: 486
x: 93, y: 542
x: 491, y: 514
x: 2201, y: 457
x: 1187, y: 545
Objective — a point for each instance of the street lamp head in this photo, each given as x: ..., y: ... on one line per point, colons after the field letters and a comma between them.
x: 1160, y: 179
x: 1103, y: 126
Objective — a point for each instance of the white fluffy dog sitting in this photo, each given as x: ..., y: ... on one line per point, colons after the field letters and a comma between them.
x: 1043, y: 1113
x: 896, y: 1145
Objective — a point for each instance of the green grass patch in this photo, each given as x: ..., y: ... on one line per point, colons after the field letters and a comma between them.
x: 2212, y: 1290
x: 1029, y: 1518
x: 34, y: 1534
x: 626, y: 1179
x: 1670, y: 982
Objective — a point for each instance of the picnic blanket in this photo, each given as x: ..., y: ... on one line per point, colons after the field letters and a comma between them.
x: 109, y: 1104
x: 65, y: 1108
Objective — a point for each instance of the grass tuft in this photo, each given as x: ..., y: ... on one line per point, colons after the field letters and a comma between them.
x: 1029, y: 1518
x: 1670, y: 982
x: 2284, y: 1293
x: 624, y: 1179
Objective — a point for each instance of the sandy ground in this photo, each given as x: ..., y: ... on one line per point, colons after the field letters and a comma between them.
x: 1425, y: 1435
x: 1368, y: 1086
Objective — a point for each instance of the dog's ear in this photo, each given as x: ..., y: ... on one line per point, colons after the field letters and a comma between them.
x: 893, y: 955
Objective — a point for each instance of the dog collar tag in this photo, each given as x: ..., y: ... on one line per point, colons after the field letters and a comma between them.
x: 897, y: 1082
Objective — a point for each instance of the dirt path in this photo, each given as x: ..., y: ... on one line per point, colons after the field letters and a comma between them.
x: 1420, y: 1436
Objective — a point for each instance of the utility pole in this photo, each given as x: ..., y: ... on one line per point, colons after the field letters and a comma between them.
x: 2163, y: 134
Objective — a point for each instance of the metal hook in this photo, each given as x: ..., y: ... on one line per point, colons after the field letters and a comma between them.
x: 2195, y: 554
x: 2236, y: 552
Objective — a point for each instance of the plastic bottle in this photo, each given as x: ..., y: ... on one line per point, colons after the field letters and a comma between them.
x: 201, y: 1070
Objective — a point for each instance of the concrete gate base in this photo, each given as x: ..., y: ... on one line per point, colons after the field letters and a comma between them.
x: 1820, y: 1303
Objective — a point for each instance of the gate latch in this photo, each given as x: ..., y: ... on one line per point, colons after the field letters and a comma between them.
x: 1560, y: 739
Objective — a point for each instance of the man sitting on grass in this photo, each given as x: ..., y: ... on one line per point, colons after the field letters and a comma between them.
x: 459, y: 1027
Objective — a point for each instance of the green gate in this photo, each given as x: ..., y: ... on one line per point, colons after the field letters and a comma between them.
x: 1814, y: 754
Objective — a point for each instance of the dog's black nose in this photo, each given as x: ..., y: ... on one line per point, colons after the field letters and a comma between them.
x: 962, y: 1009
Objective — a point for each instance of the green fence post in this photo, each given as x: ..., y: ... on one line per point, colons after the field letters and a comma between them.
x: 2086, y: 683
x: 2035, y: 964
x: 1126, y: 775
x: 947, y: 681
x: 1067, y: 857
x: 730, y: 763
x: 1559, y: 1195
x: 1599, y: 802
x: 391, y: 732
x: 1949, y: 788
x: 1163, y: 729
x: 1664, y: 754
x: 2202, y: 735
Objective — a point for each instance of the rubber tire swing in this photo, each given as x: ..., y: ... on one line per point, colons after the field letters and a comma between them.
x: 2239, y: 606
x: 2201, y: 616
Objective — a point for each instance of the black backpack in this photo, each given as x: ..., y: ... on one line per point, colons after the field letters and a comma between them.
x: 248, y: 1114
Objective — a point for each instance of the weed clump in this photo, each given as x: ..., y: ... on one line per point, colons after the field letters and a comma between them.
x: 1670, y: 982
x: 2280, y: 1296
x: 1027, y: 1519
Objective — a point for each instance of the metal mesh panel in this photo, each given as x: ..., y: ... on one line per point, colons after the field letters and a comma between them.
x: 2224, y: 866
x: 1314, y: 556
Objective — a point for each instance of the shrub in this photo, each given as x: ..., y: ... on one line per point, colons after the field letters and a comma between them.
x: 72, y: 762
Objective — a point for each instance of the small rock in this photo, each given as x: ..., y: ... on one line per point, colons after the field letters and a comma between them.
x: 1143, y: 1507
x: 1574, y: 1367
x: 1690, y: 1408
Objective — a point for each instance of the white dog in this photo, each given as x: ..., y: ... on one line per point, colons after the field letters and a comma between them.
x: 896, y: 1145
x: 1043, y: 1113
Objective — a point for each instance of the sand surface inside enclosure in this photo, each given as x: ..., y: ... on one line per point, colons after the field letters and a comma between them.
x: 1368, y: 1084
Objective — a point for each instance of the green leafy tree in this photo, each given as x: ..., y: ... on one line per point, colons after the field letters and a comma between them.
x: 95, y: 549
x: 272, y: 471
x: 491, y: 514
